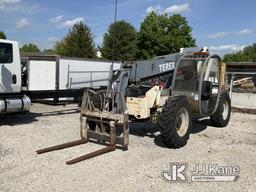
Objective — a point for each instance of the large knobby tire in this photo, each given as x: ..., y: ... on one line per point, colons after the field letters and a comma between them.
x: 222, y: 115
x: 175, y: 122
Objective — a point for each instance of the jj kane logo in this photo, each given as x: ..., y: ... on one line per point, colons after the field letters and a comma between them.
x: 177, y: 172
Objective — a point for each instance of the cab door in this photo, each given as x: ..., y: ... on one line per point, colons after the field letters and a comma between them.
x: 210, y: 86
x: 10, y: 71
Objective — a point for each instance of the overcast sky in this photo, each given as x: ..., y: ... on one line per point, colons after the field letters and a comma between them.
x: 222, y: 25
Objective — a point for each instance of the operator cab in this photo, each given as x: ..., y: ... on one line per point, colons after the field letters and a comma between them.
x: 197, y: 76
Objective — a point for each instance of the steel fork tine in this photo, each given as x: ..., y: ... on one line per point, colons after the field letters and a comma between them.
x: 62, y: 146
x: 111, y: 147
x: 91, y: 155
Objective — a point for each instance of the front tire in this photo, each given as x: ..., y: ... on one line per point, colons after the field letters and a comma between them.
x: 175, y: 122
x: 221, y: 116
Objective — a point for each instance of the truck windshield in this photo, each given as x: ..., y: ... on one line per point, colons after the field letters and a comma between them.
x: 6, y: 53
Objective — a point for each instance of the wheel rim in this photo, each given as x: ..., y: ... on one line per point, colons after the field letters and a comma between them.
x: 225, y: 110
x: 182, y: 122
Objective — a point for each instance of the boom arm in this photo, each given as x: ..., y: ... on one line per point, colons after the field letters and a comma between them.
x: 158, y: 66
x: 154, y: 67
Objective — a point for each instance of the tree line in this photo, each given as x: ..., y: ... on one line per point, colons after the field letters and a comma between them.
x: 159, y: 34
x: 248, y: 54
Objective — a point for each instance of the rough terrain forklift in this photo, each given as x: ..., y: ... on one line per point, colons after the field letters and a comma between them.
x: 169, y: 90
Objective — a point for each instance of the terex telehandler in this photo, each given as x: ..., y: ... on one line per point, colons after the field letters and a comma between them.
x: 168, y: 90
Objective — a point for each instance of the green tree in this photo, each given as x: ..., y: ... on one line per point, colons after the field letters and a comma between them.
x: 78, y: 43
x: 61, y: 47
x: 161, y: 34
x: 119, y: 43
x: 29, y: 48
x: 248, y: 54
x: 2, y: 35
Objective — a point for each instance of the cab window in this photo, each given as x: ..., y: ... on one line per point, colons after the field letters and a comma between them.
x: 6, y: 53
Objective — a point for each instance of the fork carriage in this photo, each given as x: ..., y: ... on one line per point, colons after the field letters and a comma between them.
x: 101, y: 117
x: 101, y: 120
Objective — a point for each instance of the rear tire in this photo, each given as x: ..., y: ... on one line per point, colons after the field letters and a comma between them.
x: 222, y: 115
x: 175, y: 122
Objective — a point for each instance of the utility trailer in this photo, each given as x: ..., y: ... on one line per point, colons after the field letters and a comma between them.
x: 45, y: 77
x: 52, y: 72
x: 43, y: 72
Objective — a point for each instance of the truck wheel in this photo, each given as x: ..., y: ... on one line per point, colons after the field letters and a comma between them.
x: 222, y: 115
x: 175, y: 122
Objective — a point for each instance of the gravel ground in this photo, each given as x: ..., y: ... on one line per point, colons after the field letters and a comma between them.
x: 138, y: 169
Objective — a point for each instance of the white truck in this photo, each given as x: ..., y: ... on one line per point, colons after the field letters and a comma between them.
x: 11, y: 97
x: 46, y: 78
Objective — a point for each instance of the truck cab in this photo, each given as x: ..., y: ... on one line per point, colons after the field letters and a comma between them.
x: 12, y: 100
x: 10, y: 67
